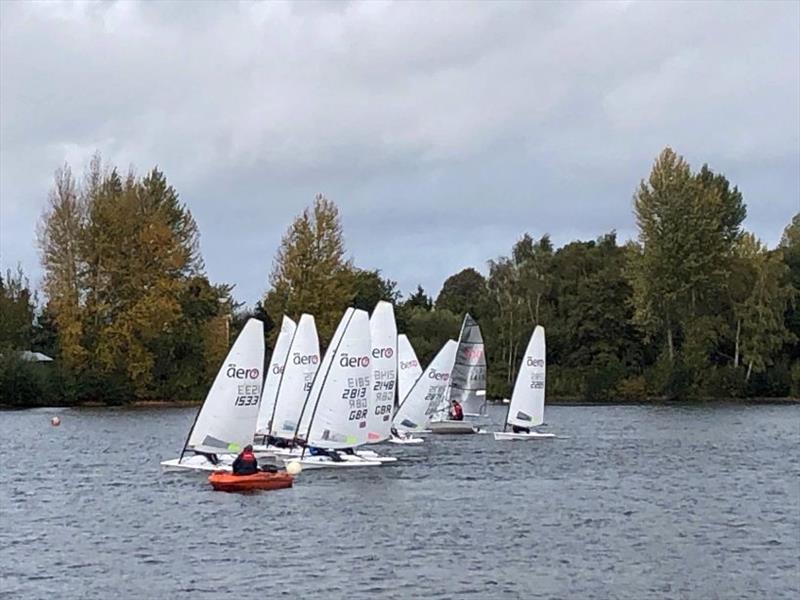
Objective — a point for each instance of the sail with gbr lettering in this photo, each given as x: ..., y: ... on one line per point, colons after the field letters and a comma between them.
x: 273, y: 376
x: 227, y: 420
x: 340, y: 398
x: 383, y: 369
x: 300, y: 368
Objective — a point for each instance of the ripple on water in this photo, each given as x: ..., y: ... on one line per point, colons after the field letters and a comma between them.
x: 637, y: 502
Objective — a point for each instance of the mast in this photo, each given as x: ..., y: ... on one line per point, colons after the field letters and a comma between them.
x: 322, y: 385
x: 191, y: 430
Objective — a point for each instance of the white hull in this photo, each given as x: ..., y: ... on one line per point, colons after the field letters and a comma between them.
x: 325, y: 462
x: 296, y: 453
x: 503, y: 435
x: 405, y: 441
x: 196, y: 463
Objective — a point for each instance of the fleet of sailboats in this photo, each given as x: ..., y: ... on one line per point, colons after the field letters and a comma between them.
x: 324, y: 410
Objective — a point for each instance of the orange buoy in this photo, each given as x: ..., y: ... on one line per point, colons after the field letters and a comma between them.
x: 222, y: 481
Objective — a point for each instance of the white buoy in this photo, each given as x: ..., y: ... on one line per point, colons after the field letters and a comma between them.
x: 294, y: 468
x: 55, y: 421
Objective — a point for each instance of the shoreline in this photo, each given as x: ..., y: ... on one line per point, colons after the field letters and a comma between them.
x: 558, y: 401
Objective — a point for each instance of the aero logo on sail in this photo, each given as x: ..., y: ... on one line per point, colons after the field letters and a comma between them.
x: 277, y: 369
x: 408, y: 364
x: 434, y: 374
x: 382, y: 353
x: 534, y: 362
x: 354, y: 361
x: 239, y: 373
x: 306, y: 359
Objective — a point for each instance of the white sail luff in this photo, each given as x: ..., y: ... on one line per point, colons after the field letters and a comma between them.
x: 274, y: 373
x: 300, y: 368
x: 227, y: 419
x: 383, y: 372
x: 527, y: 400
x: 429, y: 391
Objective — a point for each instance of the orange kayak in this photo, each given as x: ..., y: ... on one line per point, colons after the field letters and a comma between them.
x: 227, y: 482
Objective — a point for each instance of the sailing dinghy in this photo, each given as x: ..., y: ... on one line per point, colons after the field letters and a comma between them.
x: 226, y: 421
x: 383, y: 371
x: 467, y: 383
x: 298, y: 370
x: 272, y: 379
x: 335, y: 412
x: 527, y: 401
x: 428, y: 392
x: 408, y: 372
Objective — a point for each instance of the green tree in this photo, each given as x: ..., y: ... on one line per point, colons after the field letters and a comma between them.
x: 761, y: 315
x: 370, y: 288
x: 122, y: 274
x: 464, y: 292
x: 310, y: 272
x: 687, y: 225
x: 17, y: 304
x: 428, y: 330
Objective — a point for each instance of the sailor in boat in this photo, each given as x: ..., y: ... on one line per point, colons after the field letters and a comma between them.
x: 400, y: 435
x: 277, y: 442
x: 518, y: 429
x: 245, y: 463
x: 456, y: 413
x: 332, y: 454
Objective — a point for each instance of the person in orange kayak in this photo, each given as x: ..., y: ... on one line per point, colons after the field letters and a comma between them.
x: 245, y: 463
x: 456, y: 414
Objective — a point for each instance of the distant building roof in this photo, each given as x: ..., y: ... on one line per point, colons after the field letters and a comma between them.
x: 35, y: 356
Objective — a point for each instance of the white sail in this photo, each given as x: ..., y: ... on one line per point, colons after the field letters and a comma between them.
x: 428, y: 392
x: 299, y: 371
x: 273, y: 376
x: 527, y: 400
x: 383, y: 372
x: 408, y: 368
x: 227, y: 419
x: 339, y: 415
x: 312, y: 395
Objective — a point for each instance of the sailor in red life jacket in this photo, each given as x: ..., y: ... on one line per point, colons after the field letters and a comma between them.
x: 456, y: 414
x: 245, y: 463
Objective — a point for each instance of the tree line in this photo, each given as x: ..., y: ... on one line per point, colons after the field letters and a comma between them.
x: 695, y: 307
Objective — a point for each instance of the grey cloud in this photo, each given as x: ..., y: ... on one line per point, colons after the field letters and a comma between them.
x: 443, y: 130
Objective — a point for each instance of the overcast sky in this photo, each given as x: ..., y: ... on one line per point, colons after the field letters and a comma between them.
x: 443, y: 131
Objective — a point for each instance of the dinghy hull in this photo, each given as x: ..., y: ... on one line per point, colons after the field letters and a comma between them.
x: 533, y: 435
x: 325, y: 462
x: 196, y: 463
x: 409, y: 441
x: 451, y: 427
x: 223, y: 481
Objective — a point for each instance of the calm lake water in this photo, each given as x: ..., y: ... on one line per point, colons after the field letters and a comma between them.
x: 639, y: 502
